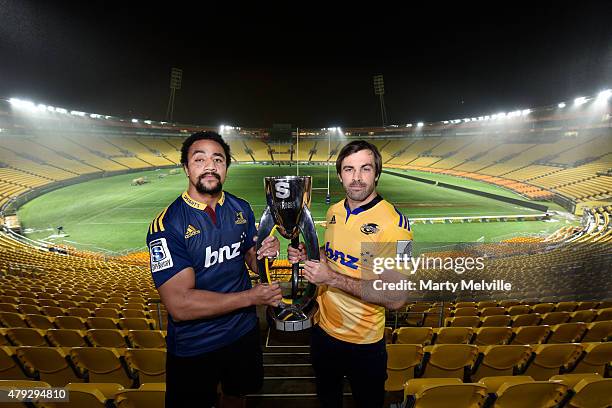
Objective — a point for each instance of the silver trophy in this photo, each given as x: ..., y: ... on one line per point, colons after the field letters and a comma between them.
x: 288, y: 199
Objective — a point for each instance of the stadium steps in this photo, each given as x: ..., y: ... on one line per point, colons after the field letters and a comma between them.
x: 288, y: 374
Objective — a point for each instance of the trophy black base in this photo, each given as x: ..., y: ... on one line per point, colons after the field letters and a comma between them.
x: 290, y: 325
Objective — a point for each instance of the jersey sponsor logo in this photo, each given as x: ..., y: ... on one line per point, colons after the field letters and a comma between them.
x: 333, y: 219
x: 222, y: 254
x: 282, y: 189
x: 240, y: 218
x: 160, y: 255
x: 339, y: 256
x: 370, y: 228
x: 191, y: 231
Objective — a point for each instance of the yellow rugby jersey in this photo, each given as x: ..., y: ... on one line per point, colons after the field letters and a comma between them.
x: 340, y: 314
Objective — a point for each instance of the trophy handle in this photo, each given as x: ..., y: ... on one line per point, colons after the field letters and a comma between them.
x: 266, y: 228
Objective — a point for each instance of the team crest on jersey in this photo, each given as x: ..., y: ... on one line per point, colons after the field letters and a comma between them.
x: 191, y: 231
x: 240, y: 218
x: 333, y: 219
x: 370, y: 228
x: 160, y: 255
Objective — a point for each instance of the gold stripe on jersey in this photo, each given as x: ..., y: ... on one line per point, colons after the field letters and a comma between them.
x: 155, y: 225
x: 380, y: 226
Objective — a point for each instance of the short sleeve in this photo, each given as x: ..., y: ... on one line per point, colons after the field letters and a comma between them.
x: 168, y: 255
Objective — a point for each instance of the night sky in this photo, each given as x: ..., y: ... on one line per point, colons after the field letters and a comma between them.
x: 310, y: 67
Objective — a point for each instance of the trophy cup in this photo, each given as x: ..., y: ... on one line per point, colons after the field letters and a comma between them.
x: 288, y: 198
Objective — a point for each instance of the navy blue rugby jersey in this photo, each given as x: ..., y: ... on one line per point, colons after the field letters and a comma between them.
x: 187, y: 234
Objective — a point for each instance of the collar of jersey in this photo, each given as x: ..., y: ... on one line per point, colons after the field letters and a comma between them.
x: 198, y: 205
x: 362, y: 208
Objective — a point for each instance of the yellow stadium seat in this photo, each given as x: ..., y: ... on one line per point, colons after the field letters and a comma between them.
x: 488, y: 336
x: 49, y: 364
x: 29, y: 309
x: 461, y: 395
x: 414, y: 335
x: 78, y: 312
x: 449, y: 360
x: 572, y: 379
x: 598, y: 331
x: 70, y: 322
x: 402, y: 360
x: 39, y: 321
x: 604, y: 315
x: 591, y: 392
x: 147, y: 338
x: 492, y: 311
x: 113, y: 338
x: 541, y: 394
x: 148, y: 363
x: 543, y: 308
x: 465, y: 311
x: 9, y: 307
x: 108, y: 390
x: 553, y: 318
x: 459, y: 305
x: 107, y: 312
x: 509, y: 303
x: 46, y: 302
x: 551, y: 358
x: 388, y: 335
x: 129, y: 323
x: 519, y: 310
x: 486, y: 303
x: 10, y: 319
x: 567, y: 333
x: 102, y: 323
x: 587, y: 305
x: 530, y: 334
x: 500, y: 360
x: 151, y: 396
x: 83, y: 395
x: 566, y: 306
x: 596, y: 358
x: 9, y: 368
x: 585, y: 316
x: 22, y: 336
x: 462, y: 321
x: 66, y: 338
x: 532, y: 319
x: 453, y: 335
x: 411, y: 387
x: 100, y: 365
x: 134, y: 313
x: 53, y: 311
x: 496, y: 321
x: 493, y: 383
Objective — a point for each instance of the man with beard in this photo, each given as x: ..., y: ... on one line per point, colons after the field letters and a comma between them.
x: 348, y: 340
x: 199, y: 246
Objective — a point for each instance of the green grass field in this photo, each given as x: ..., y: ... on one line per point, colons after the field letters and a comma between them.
x: 110, y: 215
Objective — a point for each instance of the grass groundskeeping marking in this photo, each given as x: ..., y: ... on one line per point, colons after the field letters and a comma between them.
x: 109, y: 214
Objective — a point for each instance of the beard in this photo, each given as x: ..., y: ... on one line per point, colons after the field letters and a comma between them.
x: 203, y: 189
x: 359, y: 195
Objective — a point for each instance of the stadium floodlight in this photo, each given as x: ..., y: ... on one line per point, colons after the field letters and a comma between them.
x: 487, y: 117
x: 466, y: 120
x: 108, y: 117
x: 501, y: 115
x: 408, y: 124
x: 77, y: 113
x: 61, y: 110
x: 580, y: 101
x: 474, y: 120
x: 41, y: 107
x: 604, y: 95
x: 561, y: 105
x: 525, y: 112
x: 148, y: 122
x: 134, y: 120
x: 420, y: 124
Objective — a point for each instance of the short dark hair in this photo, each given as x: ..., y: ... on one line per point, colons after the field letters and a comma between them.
x: 208, y: 135
x: 356, y: 146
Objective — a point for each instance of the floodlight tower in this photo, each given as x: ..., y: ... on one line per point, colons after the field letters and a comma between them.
x: 176, y: 78
x: 379, y: 89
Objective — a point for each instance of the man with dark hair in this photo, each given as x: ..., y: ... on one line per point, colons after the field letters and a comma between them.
x: 348, y: 339
x: 199, y: 246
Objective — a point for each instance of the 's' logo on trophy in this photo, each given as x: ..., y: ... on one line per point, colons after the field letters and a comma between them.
x: 288, y: 199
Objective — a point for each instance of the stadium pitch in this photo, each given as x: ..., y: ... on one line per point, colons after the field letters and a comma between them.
x: 111, y: 215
